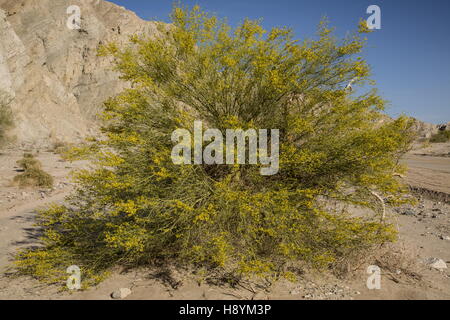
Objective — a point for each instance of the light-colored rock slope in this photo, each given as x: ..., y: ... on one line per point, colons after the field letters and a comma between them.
x: 54, y: 74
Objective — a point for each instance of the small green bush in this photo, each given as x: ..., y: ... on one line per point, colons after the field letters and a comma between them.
x: 6, y: 117
x: 33, y: 175
x: 441, y: 137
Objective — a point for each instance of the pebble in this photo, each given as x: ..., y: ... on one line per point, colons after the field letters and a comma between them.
x: 121, y: 293
x: 436, y: 263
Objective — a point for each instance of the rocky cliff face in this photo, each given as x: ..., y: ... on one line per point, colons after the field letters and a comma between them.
x: 425, y: 130
x: 53, y: 72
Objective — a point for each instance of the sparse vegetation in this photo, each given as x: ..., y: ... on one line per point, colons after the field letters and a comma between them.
x: 6, y: 117
x: 137, y: 207
x: 61, y: 147
x: 441, y: 137
x: 29, y: 162
x: 33, y: 175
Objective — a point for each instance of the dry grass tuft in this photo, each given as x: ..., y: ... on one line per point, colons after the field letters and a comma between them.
x: 33, y: 175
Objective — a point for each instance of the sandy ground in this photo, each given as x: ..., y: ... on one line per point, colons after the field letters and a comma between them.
x: 422, y: 236
x: 429, y: 172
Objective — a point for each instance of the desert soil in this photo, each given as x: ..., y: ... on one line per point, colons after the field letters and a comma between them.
x: 429, y: 167
x: 424, y: 231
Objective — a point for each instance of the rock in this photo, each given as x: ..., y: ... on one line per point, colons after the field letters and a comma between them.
x: 447, y: 238
x: 436, y: 263
x: 121, y: 293
x: 409, y: 212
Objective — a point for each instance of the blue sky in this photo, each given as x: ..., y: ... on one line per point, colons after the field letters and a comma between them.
x: 410, y: 55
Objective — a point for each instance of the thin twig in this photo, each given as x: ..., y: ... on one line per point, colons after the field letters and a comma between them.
x: 383, y: 216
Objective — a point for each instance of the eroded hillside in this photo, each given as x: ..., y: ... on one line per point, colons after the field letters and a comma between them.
x: 53, y: 72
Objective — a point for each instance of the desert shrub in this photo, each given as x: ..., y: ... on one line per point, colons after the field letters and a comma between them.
x: 136, y: 206
x: 33, y: 175
x: 6, y: 117
x: 29, y: 162
x: 440, y: 137
x: 61, y: 148
x: 82, y: 151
